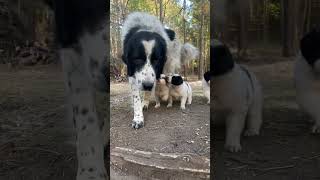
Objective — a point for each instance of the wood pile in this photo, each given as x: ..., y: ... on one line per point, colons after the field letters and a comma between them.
x: 29, y: 55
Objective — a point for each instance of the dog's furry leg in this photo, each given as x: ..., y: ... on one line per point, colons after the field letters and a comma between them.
x: 234, y: 126
x: 255, y: 115
x: 138, y: 120
x: 183, y: 102
x: 157, y: 102
x: 146, y: 99
x: 169, y: 101
x: 189, y: 97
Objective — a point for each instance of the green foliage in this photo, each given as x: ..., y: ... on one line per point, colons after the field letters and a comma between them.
x: 274, y: 10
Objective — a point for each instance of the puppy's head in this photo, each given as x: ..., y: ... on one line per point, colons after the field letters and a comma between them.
x: 145, y: 56
x: 310, y: 48
x: 207, y: 76
x: 163, y: 80
x: 221, y: 59
x: 176, y: 80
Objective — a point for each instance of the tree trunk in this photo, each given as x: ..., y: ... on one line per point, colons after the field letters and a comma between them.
x: 200, y: 67
x: 290, y: 32
x: 265, y: 22
x: 243, y: 27
x: 184, y: 35
x: 161, y: 11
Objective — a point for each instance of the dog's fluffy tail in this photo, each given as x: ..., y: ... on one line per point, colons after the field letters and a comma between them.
x: 188, y: 53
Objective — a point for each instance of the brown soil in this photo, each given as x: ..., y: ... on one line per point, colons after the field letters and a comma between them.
x: 166, y: 131
x: 285, y: 149
x: 36, y: 140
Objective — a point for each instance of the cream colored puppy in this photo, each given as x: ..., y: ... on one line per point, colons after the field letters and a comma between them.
x: 161, y: 92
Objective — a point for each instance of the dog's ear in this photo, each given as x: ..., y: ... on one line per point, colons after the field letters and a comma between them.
x: 171, y: 34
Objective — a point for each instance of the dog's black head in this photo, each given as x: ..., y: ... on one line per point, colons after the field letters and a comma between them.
x: 221, y: 59
x: 310, y: 46
x: 176, y: 80
x: 207, y: 76
x: 144, y: 54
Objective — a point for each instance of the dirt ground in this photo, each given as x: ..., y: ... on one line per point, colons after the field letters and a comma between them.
x: 285, y: 150
x: 36, y: 140
x: 166, y: 130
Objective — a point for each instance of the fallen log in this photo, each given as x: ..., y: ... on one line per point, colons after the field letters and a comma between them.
x: 185, y: 163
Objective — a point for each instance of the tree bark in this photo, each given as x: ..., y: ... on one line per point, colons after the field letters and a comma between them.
x: 265, y: 22
x: 243, y: 27
x: 290, y: 31
x: 200, y: 67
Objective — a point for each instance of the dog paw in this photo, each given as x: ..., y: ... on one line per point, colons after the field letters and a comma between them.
x: 169, y: 105
x: 157, y: 105
x: 315, y: 129
x: 251, y: 132
x: 137, y: 123
x: 189, y: 103
x: 145, y: 105
x: 208, y: 102
x: 233, y: 147
x: 183, y: 107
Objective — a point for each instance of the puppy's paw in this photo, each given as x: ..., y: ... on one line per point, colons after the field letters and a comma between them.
x: 157, y: 105
x: 251, y: 132
x: 169, y: 105
x: 315, y: 129
x: 183, y: 107
x: 189, y: 103
x: 145, y: 105
x: 235, y: 147
x: 137, y: 122
x: 208, y: 102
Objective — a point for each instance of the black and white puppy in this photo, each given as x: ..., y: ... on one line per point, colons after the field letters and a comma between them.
x: 237, y: 97
x: 161, y: 92
x: 180, y: 90
x: 206, y: 85
x: 148, y: 51
x: 307, y: 77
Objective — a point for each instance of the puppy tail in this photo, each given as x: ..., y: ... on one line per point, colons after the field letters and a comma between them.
x: 188, y: 53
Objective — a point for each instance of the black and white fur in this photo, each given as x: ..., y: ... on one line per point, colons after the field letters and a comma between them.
x: 206, y: 85
x: 307, y: 77
x: 180, y: 90
x: 237, y: 97
x: 82, y: 35
x: 148, y: 51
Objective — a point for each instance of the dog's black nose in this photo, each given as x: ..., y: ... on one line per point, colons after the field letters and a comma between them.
x: 147, y: 86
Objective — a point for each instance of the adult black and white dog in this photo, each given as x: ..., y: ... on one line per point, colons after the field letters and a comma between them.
x: 148, y: 51
x: 179, y: 89
x: 206, y: 85
x: 307, y: 77
x: 237, y: 97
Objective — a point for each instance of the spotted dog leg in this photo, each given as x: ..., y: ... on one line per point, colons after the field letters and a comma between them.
x: 138, y: 119
x: 80, y: 84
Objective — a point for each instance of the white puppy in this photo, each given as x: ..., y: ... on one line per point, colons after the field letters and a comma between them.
x: 161, y: 92
x: 206, y: 85
x: 237, y: 97
x: 179, y: 89
x: 307, y: 77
